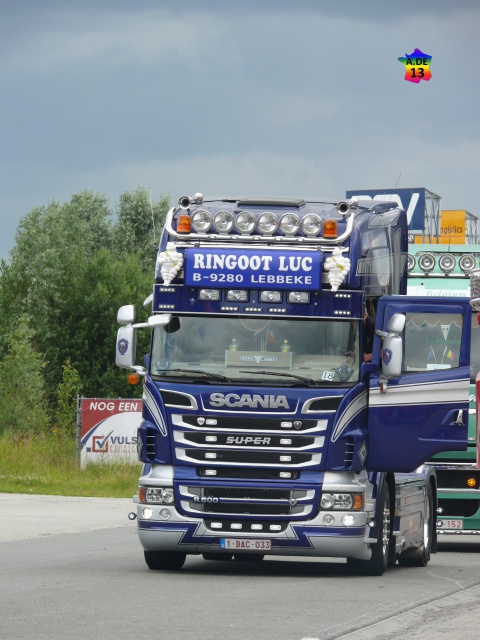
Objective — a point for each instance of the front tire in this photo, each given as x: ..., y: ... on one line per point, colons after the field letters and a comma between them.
x: 380, y: 550
x: 165, y: 560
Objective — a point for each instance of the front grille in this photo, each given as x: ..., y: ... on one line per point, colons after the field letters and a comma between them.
x: 280, y: 441
x: 249, y: 500
x: 246, y: 493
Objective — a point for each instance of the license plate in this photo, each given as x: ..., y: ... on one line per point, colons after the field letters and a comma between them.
x: 237, y: 544
x: 450, y: 524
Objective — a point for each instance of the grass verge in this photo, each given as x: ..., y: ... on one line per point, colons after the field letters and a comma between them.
x: 44, y: 464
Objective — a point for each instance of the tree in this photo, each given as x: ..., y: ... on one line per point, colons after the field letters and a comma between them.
x: 68, y: 390
x: 22, y: 397
x: 140, y: 222
x: 72, y: 266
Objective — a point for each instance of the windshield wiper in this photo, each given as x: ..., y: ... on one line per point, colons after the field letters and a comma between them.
x: 215, y: 376
x: 286, y: 375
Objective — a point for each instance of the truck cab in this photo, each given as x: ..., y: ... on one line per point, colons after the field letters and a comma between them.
x: 264, y: 429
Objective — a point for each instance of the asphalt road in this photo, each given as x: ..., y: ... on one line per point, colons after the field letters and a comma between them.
x: 73, y: 568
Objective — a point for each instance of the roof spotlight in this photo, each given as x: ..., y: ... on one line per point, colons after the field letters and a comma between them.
x: 467, y: 263
x: 426, y: 262
x: 447, y: 262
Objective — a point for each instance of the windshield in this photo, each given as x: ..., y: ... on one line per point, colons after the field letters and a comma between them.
x: 261, y: 351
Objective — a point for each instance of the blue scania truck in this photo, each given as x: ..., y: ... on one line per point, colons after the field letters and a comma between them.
x: 291, y: 397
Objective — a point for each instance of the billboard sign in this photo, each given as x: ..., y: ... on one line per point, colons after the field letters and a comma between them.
x: 109, y: 430
x: 411, y: 200
x: 253, y: 270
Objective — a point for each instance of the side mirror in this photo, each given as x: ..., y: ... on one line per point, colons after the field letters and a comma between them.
x: 126, y: 314
x: 125, y: 353
x: 392, y: 349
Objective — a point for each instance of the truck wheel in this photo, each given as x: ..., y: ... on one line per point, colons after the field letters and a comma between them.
x: 164, y: 560
x: 217, y: 556
x: 420, y: 557
x: 249, y: 557
x: 380, y: 550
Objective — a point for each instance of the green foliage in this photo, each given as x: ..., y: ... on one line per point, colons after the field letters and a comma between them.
x: 140, y: 222
x: 68, y: 389
x: 72, y: 267
x: 44, y: 464
x: 22, y: 398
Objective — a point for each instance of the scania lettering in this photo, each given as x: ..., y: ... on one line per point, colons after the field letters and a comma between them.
x: 277, y: 421
x: 446, y: 270
x: 234, y: 400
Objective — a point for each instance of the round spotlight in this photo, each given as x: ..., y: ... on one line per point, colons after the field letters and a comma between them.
x: 201, y: 221
x: 289, y: 224
x: 223, y: 222
x: 467, y: 263
x: 311, y: 224
x: 245, y: 222
x: 447, y: 262
x: 267, y: 223
x: 411, y: 262
x: 426, y: 262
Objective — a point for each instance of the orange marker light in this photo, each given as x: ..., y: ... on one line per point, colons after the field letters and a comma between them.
x: 358, y: 501
x: 471, y: 482
x: 183, y: 223
x: 330, y: 228
x: 133, y: 378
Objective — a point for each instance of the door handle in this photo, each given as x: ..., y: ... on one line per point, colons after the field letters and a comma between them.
x: 459, y: 420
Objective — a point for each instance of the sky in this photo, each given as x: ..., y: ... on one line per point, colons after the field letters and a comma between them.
x: 295, y: 98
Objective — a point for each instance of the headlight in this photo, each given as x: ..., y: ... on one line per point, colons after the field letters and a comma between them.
x: 343, y: 501
x: 411, y: 262
x: 201, y: 221
x: 223, y: 222
x: 311, y: 224
x: 267, y: 223
x: 289, y: 224
x: 159, y: 495
x: 245, y: 222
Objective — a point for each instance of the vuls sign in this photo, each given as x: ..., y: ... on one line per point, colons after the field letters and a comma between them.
x: 109, y: 430
x: 244, y: 268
